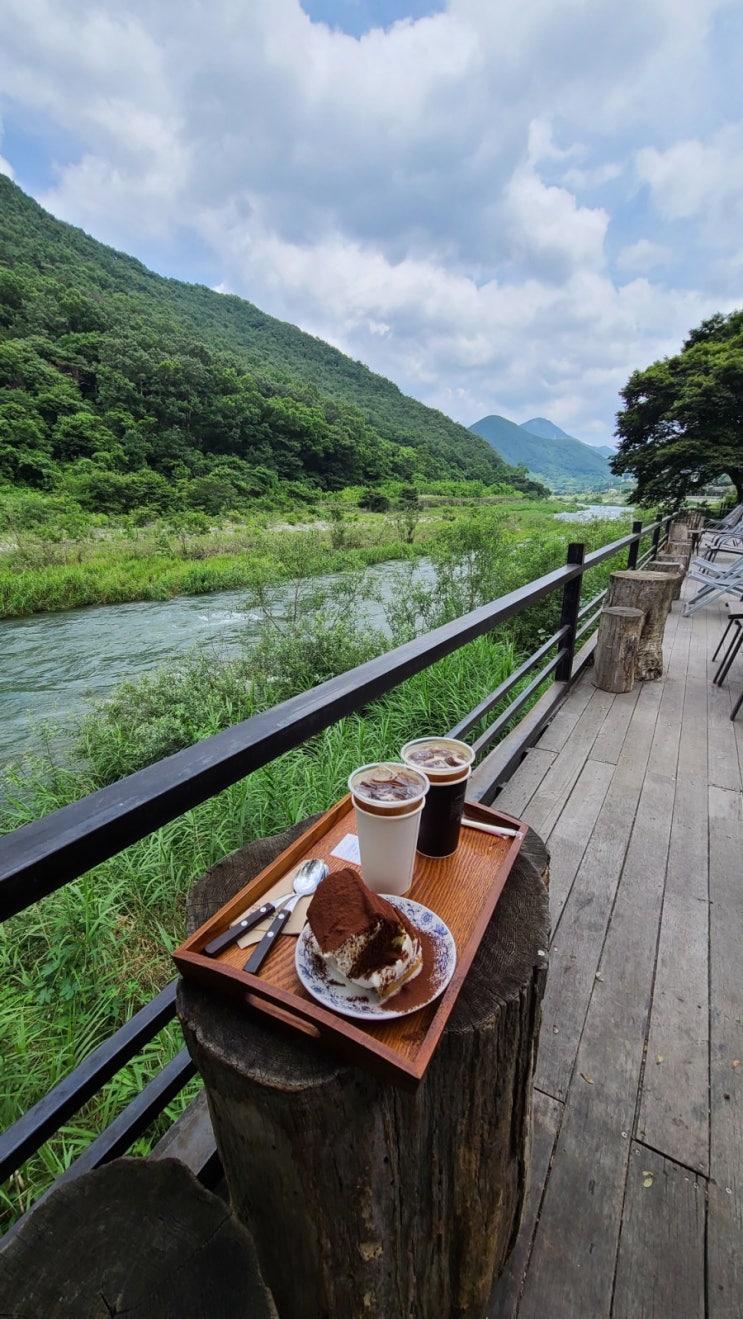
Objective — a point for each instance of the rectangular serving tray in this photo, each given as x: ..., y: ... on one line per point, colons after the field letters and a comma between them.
x: 462, y: 889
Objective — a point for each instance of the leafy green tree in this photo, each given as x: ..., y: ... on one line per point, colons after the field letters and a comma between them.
x: 81, y: 436
x: 25, y: 452
x: 682, y: 422
x: 375, y: 501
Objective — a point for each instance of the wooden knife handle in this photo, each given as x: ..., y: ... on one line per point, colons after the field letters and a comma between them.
x: 235, y: 932
x: 261, y: 951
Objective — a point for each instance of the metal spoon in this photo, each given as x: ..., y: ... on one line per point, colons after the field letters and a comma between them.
x: 304, y: 876
x: 306, y: 880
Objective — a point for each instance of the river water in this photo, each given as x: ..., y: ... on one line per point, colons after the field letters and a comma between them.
x: 589, y: 512
x: 52, y: 664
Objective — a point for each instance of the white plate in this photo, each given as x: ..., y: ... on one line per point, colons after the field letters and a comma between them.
x: 353, y: 1001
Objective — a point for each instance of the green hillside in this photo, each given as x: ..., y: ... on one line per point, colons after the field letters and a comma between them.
x: 120, y: 387
x: 564, y: 464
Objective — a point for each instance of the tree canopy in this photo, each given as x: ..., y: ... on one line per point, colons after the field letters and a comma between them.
x: 117, y: 385
x: 682, y: 422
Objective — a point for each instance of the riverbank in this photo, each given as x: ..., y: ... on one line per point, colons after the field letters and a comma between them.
x: 154, y: 563
x: 56, y: 566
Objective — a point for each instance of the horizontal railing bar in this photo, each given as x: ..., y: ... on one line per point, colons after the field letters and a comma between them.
x: 591, y: 604
x: 25, y: 1136
x: 647, y: 557
x: 40, y: 857
x: 496, y: 696
x: 608, y: 551
x: 588, y: 623
x: 491, y: 733
x: 136, y: 1117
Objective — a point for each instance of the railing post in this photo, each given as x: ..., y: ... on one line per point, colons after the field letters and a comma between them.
x: 634, y: 548
x: 656, y: 540
x: 570, y: 606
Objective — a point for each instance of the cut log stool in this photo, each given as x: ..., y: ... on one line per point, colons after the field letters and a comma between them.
x: 681, y: 550
x: 651, y: 592
x: 616, y: 648
x: 675, y: 568
x: 366, y: 1199
x: 132, y: 1238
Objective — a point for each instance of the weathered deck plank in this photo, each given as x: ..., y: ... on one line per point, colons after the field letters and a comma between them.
x: 546, y: 804
x: 725, y: 1232
x: 674, y: 1110
x: 574, y: 957
x: 506, y: 1293
x: 660, y: 1268
x: 517, y: 794
x: 558, y: 731
x: 575, y: 1250
x: 724, y: 765
x: 610, y: 740
x: 572, y: 833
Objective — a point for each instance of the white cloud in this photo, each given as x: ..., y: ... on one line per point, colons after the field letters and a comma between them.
x: 548, y: 230
x: 643, y: 256
x: 694, y: 179
x: 415, y: 196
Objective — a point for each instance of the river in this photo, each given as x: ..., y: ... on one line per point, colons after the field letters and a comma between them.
x: 53, y: 664
x: 589, y: 512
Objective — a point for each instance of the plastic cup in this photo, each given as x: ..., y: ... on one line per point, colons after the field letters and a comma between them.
x: 447, y: 764
x: 388, y: 800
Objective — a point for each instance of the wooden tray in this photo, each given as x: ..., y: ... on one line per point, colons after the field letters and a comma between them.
x: 462, y: 889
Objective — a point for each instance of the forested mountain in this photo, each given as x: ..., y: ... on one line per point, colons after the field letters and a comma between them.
x: 550, y: 455
x: 121, y: 387
x: 546, y: 429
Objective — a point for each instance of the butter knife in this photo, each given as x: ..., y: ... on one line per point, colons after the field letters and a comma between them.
x: 235, y: 932
x: 261, y: 950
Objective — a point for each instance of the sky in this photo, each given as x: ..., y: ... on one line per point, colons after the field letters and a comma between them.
x: 505, y: 206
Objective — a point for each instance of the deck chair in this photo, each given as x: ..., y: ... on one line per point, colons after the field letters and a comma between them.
x: 730, y: 520
x: 715, y: 579
x: 721, y: 542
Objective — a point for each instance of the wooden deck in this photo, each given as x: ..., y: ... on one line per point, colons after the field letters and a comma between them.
x: 636, y: 1197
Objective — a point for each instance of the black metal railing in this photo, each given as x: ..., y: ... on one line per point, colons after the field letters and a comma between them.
x: 41, y: 857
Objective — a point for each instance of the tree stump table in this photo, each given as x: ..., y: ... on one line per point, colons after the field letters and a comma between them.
x: 364, y: 1199
x: 616, y: 648
x: 650, y: 592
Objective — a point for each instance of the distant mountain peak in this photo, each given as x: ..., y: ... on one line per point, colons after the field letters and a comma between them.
x: 557, y: 459
x: 546, y: 430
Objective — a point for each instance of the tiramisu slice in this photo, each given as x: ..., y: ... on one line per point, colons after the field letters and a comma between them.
x: 362, y: 935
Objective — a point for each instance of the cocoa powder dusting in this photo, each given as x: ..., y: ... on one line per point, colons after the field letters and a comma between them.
x: 416, y: 993
x: 343, y: 906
